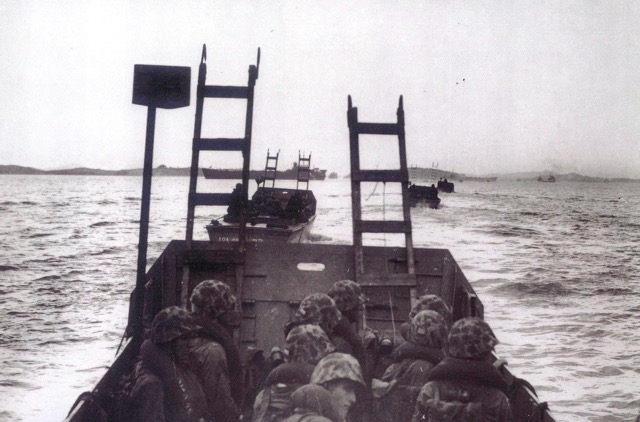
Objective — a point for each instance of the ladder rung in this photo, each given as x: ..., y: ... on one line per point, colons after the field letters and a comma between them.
x: 218, y: 91
x: 271, y: 168
x: 386, y: 279
x: 211, y: 199
x: 377, y: 128
x: 383, y: 226
x: 380, y: 176
x: 220, y: 144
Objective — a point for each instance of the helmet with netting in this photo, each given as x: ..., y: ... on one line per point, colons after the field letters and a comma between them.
x: 432, y: 303
x: 428, y: 329
x: 171, y: 323
x: 213, y: 295
x: 320, y: 309
x: 337, y: 366
x: 308, y: 343
x: 347, y: 294
x: 470, y: 338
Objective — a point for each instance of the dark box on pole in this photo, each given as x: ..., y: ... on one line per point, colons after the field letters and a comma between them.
x: 161, y: 86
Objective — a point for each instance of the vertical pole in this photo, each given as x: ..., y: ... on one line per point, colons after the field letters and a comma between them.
x: 144, y: 222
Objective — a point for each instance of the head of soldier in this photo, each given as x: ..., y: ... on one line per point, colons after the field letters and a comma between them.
x: 172, y: 330
x: 341, y: 375
x: 471, y: 338
x: 348, y: 297
x: 431, y: 302
x: 308, y: 343
x: 428, y: 329
x: 319, y: 309
x: 213, y: 299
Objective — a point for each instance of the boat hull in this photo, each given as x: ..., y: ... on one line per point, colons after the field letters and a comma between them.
x: 236, y: 174
x: 278, y: 231
x: 424, y: 203
x: 272, y: 283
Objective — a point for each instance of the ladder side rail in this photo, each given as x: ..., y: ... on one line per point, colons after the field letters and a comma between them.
x: 406, y: 211
x: 356, y: 210
x: 195, y: 156
x: 246, y: 152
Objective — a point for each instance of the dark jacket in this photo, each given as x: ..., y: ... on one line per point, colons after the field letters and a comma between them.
x: 461, y: 390
x: 274, y: 402
x: 412, y: 364
x: 217, y: 364
x: 165, y: 391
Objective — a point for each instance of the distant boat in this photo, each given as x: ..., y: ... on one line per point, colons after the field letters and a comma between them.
x: 445, y: 186
x: 289, y: 174
x: 423, y: 196
x: 550, y: 179
x: 333, y: 175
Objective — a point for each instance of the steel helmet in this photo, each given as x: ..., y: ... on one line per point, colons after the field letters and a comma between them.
x: 337, y: 366
x: 432, y: 303
x: 320, y: 309
x: 171, y: 323
x: 308, y: 343
x: 347, y: 294
x: 428, y: 329
x: 212, y: 294
x: 470, y: 338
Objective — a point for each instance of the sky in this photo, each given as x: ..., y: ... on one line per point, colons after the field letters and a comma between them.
x: 489, y: 86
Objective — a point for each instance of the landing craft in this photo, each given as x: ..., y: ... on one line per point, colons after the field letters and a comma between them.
x: 270, y: 280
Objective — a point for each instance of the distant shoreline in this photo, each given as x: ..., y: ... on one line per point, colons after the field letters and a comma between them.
x: 165, y: 171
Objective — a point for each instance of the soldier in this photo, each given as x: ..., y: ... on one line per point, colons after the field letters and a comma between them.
x: 412, y: 363
x: 340, y: 374
x: 312, y: 403
x: 428, y: 302
x: 306, y: 344
x: 319, y: 309
x: 215, y: 354
x: 166, y: 388
x: 465, y: 386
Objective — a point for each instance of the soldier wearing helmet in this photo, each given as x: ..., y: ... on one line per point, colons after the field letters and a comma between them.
x: 306, y: 344
x: 428, y: 302
x: 215, y: 355
x: 412, y: 363
x: 319, y: 309
x: 341, y: 375
x: 166, y: 387
x: 350, y: 301
x: 465, y: 385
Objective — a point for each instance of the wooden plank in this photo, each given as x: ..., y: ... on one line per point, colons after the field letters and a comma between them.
x: 376, y: 128
x: 220, y: 144
x: 380, y: 176
x: 382, y: 226
x: 218, y: 91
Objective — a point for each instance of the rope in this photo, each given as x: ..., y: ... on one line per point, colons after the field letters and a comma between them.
x: 393, y: 319
x: 372, y: 192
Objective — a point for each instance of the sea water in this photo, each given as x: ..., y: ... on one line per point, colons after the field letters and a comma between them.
x: 557, y: 267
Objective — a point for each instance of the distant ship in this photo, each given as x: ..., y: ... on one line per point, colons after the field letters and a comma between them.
x: 289, y: 174
x: 551, y: 179
x: 333, y: 175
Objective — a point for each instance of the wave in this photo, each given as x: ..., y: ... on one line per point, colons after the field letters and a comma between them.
x: 8, y: 268
x: 103, y: 223
x: 536, y: 289
x: 49, y: 277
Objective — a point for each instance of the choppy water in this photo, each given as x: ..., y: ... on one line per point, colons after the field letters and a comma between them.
x: 557, y: 267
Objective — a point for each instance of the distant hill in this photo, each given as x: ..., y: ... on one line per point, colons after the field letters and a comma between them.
x: 414, y: 172
x: 84, y: 171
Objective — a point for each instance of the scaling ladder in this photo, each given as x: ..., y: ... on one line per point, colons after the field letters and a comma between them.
x: 270, y: 169
x: 304, y: 170
x: 242, y: 145
x: 358, y: 176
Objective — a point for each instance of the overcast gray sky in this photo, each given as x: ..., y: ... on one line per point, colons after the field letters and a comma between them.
x: 488, y: 86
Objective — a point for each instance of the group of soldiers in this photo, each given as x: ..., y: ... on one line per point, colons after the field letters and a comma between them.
x: 328, y: 370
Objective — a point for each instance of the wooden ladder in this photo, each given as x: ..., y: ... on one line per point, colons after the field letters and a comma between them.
x: 304, y: 170
x: 358, y: 176
x: 242, y: 145
x: 270, y: 170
